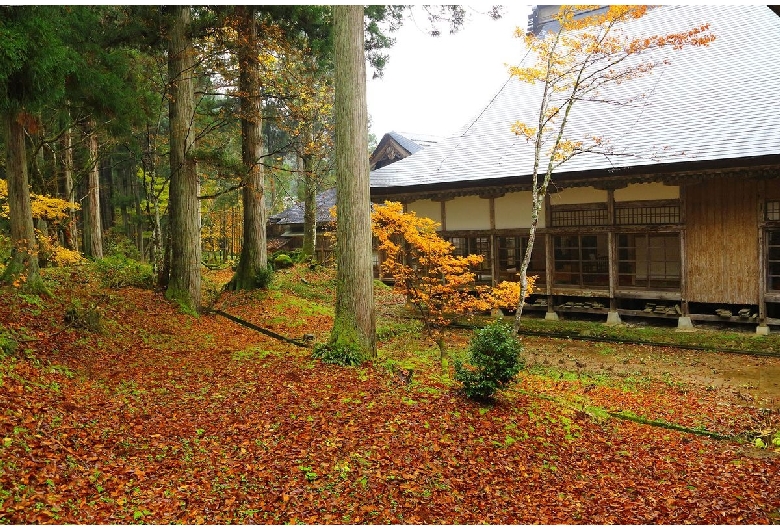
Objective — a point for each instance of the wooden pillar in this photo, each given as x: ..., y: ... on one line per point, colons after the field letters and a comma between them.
x: 761, y: 217
x: 549, y: 257
x: 443, y: 215
x: 683, y: 260
x: 611, y: 249
x: 493, y: 242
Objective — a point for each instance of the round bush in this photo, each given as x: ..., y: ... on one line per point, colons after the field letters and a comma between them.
x: 283, y: 261
x: 494, y: 361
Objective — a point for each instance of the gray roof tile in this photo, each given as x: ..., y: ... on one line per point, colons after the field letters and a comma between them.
x: 294, y: 215
x: 413, y: 142
x: 709, y: 103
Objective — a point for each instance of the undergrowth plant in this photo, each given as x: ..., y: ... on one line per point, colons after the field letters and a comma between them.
x: 120, y: 271
x: 8, y: 345
x: 493, y: 362
x: 264, y: 277
x: 340, y: 354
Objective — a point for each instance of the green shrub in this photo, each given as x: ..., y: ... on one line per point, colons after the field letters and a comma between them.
x: 115, y: 242
x: 340, y: 354
x: 78, y: 316
x: 297, y: 255
x: 8, y: 345
x: 264, y: 277
x: 5, y: 251
x: 494, y: 361
x: 120, y: 271
x: 283, y: 261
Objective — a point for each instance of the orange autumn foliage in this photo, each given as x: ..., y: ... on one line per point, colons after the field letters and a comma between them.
x: 506, y: 295
x: 437, y: 283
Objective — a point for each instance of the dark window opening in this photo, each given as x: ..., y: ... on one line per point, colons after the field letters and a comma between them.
x: 511, y: 251
x: 773, y: 260
x: 476, y: 245
x: 649, y: 261
x: 581, y: 260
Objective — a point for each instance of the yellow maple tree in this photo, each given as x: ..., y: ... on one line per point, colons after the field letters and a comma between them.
x: 55, y: 212
x: 437, y: 283
x: 590, y: 51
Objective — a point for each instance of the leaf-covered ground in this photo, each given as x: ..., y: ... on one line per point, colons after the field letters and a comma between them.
x: 167, y: 418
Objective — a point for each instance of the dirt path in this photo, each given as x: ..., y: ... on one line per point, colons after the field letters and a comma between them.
x: 749, y: 379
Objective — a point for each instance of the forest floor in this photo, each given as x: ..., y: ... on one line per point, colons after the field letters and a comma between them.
x: 155, y: 416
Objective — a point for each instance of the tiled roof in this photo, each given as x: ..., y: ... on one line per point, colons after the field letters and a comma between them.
x: 710, y: 103
x: 294, y: 215
x: 413, y: 142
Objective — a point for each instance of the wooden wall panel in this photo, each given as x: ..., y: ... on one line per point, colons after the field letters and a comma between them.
x: 772, y: 192
x: 722, y: 254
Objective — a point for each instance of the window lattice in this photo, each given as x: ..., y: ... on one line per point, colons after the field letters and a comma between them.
x: 773, y: 260
x: 647, y: 215
x: 589, y: 217
x: 773, y: 211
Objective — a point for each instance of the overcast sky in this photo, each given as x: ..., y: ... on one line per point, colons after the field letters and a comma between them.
x: 434, y: 85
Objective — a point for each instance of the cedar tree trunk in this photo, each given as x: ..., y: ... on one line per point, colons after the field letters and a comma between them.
x: 354, y: 323
x: 184, y: 209
x: 254, y: 254
x: 93, y: 231
x: 24, y: 255
x: 71, y: 232
x: 309, y: 208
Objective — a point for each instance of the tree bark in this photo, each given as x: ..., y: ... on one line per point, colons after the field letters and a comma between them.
x: 354, y: 324
x: 309, y: 208
x: 24, y: 254
x: 253, y: 247
x: 153, y: 211
x: 93, y: 230
x: 184, y: 209
x: 107, y: 193
x: 71, y: 232
x: 138, y: 224
x: 125, y: 174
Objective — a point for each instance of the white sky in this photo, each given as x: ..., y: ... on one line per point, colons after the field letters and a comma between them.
x: 435, y: 85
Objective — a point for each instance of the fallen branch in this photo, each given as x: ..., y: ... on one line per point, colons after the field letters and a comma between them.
x: 259, y: 329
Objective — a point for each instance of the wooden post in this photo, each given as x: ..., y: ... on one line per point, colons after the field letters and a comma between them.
x: 549, y: 261
x: 493, y: 242
x: 683, y: 262
x: 761, y: 214
x: 611, y: 249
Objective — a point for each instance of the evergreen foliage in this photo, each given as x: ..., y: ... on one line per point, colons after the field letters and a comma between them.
x: 264, y: 277
x: 494, y: 361
x: 341, y: 354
